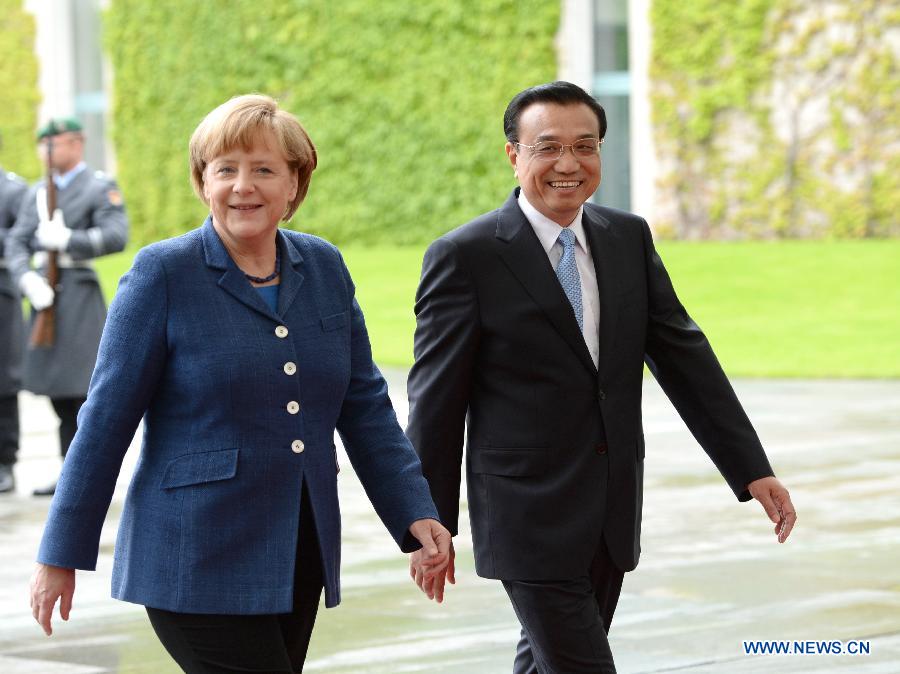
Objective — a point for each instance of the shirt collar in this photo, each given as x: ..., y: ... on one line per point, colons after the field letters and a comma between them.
x: 64, y: 180
x: 548, y: 231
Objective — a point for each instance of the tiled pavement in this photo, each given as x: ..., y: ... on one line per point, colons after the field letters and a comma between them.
x: 711, y: 575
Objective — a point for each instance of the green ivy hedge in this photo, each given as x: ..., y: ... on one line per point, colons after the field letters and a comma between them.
x: 404, y: 101
x: 18, y: 82
x: 777, y: 118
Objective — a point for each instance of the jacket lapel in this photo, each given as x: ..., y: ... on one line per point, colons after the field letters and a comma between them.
x: 232, y: 280
x: 522, y: 252
x: 602, y: 242
x: 291, y: 278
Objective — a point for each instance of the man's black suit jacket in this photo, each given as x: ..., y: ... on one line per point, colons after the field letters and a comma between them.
x: 555, y: 451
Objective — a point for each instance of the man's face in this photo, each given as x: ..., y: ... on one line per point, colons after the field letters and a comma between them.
x: 558, y: 187
x: 68, y: 149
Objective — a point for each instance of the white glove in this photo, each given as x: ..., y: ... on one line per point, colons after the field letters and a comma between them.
x: 37, y: 290
x: 53, y: 234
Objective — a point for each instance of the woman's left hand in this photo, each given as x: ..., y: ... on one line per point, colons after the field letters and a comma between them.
x: 433, y: 564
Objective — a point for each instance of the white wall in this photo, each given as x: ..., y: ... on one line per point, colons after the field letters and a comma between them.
x: 643, y: 154
x: 575, y: 44
x: 54, y: 48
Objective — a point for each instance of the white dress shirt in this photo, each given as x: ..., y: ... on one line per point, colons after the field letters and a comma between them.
x: 548, y: 234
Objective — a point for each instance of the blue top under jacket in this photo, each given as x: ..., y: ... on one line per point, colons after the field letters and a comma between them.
x: 270, y: 295
x: 240, y: 404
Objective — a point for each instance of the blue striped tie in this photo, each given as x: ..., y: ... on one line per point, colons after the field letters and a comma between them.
x: 567, y: 273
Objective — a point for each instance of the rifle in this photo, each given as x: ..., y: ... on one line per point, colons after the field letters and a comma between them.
x: 43, y: 332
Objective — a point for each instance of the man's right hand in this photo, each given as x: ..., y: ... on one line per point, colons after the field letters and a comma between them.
x: 49, y: 583
x: 37, y: 290
x: 53, y: 234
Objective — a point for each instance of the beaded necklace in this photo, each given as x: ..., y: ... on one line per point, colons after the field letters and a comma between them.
x: 266, y: 279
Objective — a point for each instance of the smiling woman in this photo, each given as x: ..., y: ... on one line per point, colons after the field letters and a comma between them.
x: 252, y: 171
x: 249, y: 191
x: 231, y: 529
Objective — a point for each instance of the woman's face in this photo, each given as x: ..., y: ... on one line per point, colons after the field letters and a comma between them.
x: 249, y: 190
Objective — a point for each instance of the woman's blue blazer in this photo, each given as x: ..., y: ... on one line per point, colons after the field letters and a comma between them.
x: 211, y: 518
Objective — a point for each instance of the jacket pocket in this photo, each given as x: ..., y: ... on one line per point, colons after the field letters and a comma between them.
x: 517, y: 462
x: 200, y: 468
x: 335, y: 321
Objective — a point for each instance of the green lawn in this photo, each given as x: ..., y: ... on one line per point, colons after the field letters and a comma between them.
x: 781, y: 309
x: 795, y: 308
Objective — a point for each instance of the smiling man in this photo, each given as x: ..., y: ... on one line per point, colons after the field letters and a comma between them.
x: 534, y: 322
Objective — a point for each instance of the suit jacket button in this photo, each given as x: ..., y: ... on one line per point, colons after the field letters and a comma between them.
x: 601, y: 448
x: 281, y: 332
x: 297, y: 446
x: 290, y: 368
x: 601, y: 395
x: 293, y: 407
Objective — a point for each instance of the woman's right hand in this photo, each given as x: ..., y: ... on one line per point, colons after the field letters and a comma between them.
x: 49, y: 583
x: 432, y: 564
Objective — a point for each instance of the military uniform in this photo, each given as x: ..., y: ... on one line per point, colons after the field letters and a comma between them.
x: 12, y: 190
x: 94, y: 212
x: 92, y: 206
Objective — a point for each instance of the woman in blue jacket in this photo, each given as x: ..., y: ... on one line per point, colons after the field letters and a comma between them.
x: 242, y: 347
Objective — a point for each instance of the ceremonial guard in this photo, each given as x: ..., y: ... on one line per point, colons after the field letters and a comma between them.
x: 12, y: 190
x: 89, y: 221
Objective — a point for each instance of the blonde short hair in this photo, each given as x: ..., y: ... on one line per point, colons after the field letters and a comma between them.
x: 237, y: 123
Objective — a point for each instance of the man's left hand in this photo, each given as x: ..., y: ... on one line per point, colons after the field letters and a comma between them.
x: 433, y: 563
x: 777, y: 503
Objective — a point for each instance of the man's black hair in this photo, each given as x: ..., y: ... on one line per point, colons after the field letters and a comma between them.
x: 559, y: 92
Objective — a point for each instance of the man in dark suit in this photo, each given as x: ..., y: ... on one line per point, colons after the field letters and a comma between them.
x: 534, y: 322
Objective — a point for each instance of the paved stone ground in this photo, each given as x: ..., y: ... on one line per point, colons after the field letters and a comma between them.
x: 711, y: 575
